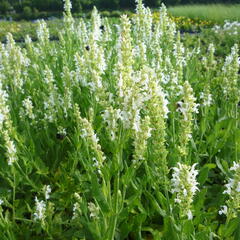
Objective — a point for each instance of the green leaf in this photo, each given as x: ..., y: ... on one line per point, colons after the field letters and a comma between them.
x: 171, y: 230
x: 162, y: 200
x: 188, y: 227
x: 91, y: 230
x: 199, y: 202
x: 203, y: 175
x: 221, y: 167
x: 237, y: 233
x: 231, y: 227
x: 155, y: 204
x: 98, y: 194
x: 125, y: 228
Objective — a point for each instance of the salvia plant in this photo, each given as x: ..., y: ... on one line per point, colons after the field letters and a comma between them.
x: 118, y: 131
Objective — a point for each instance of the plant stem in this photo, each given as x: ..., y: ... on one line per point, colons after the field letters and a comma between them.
x: 14, y: 193
x: 114, y: 218
x: 236, y: 142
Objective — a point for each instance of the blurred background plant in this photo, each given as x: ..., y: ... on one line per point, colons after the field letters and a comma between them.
x: 32, y: 9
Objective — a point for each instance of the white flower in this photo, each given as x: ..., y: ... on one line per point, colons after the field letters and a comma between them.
x: 207, y: 99
x: 67, y: 5
x: 42, y: 31
x: 233, y: 183
x: 165, y: 103
x: 238, y: 187
x: 229, y: 186
x: 76, y: 210
x: 11, y: 149
x: 28, y: 40
x: 28, y: 106
x: 4, y: 110
x: 235, y: 166
x: 95, y: 138
x: 223, y: 210
x: 84, y: 133
x: 177, y: 200
x: 1, y: 118
x: 184, y: 185
x: 233, y: 191
x: 11, y: 152
x: 189, y: 215
x: 47, y: 191
x: 185, y: 192
x: 40, y: 210
x: 62, y: 131
x: 1, y: 202
x: 94, y: 210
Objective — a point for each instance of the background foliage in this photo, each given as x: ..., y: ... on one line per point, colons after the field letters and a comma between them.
x: 24, y: 6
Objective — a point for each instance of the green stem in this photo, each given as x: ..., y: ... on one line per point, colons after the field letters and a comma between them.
x: 236, y: 141
x: 26, y: 177
x: 173, y: 130
x: 114, y: 217
x: 14, y: 194
x: 24, y: 220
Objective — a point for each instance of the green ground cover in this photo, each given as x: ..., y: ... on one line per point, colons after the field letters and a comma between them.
x: 20, y: 29
x: 217, y: 13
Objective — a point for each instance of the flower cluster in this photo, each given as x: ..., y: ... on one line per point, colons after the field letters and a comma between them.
x: 184, y: 185
x: 187, y: 107
x: 143, y: 23
x: 47, y: 190
x: 67, y: 6
x: 11, y: 151
x: 6, y: 128
x: 94, y: 210
x: 211, y: 58
x: 39, y: 214
x: 179, y: 54
x: 124, y: 69
x: 233, y: 191
x: 28, y: 108
x: 230, y: 76
x: 43, y: 32
x: 206, y: 98
x: 140, y: 140
x: 76, y: 207
x: 4, y: 109
x: 165, y: 29
x: 51, y: 98
x: 89, y: 136
x: 111, y: 117
x: 231, y: 28
x: 41, y: 205
x: 15, y: 64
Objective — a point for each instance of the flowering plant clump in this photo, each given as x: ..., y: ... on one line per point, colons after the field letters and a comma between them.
x: 232, y: 189
x: 118, y: 130
x: 231, y: 28
x: 184, y: 184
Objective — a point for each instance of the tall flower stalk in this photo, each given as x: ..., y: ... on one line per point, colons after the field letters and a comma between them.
x: 187, y: 107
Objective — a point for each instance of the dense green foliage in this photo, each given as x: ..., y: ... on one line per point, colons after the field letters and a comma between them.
x: 122, y: 129
x: 56, y: 5
x: 217, y: 13
x: 19, y: 29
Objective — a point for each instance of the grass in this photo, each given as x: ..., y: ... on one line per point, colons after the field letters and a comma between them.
x: 20, y: 29
x: 213, y: 12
